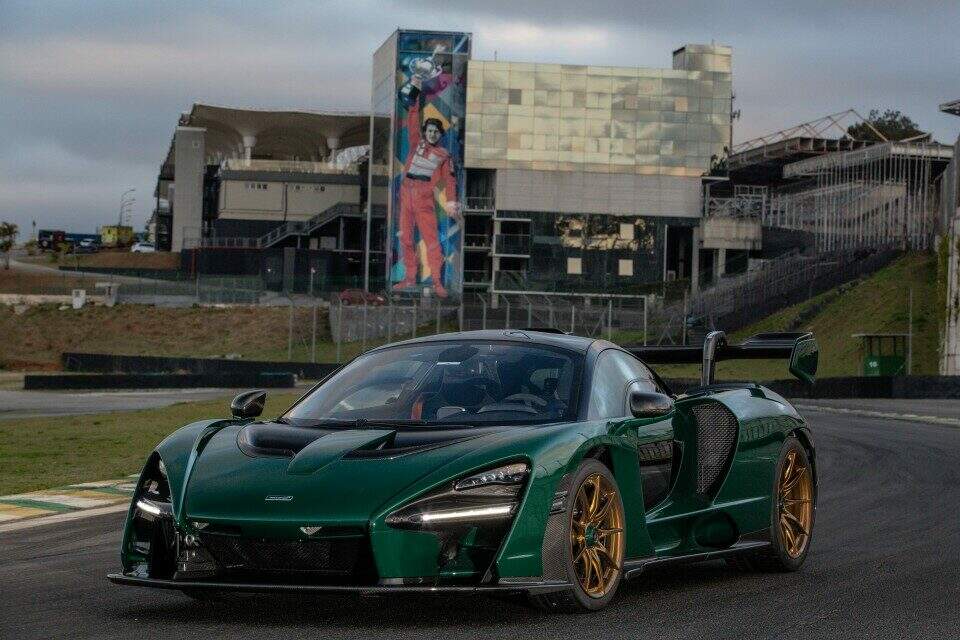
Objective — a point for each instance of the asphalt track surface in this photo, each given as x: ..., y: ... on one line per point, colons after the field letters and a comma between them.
x: 884, y: 563
x: 32, y: 404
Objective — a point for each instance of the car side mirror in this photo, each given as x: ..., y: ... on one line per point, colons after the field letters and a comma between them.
x: 248, y: 404
x: 647, y: 404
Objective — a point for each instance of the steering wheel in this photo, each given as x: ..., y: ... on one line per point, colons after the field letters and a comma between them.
x: 528, y: 398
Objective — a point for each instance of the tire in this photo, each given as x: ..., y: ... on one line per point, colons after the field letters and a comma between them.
x: 576, y: 598
x: 786, y: 554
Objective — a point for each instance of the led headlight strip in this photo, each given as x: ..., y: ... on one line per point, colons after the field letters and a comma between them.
x: 490, y: 495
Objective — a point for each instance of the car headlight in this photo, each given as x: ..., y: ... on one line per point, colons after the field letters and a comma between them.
x: 488, y: 497
x: 511, y: 475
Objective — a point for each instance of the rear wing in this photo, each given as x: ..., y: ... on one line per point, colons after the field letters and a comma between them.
x: 799, y: 348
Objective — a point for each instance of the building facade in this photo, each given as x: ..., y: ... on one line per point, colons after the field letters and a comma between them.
x: 569, y: 178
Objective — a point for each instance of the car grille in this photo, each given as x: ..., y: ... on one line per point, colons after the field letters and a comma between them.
x: 333, y: 557
x: 716, y: 441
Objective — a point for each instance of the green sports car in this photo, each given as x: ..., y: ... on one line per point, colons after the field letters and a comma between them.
x: 502, y: 462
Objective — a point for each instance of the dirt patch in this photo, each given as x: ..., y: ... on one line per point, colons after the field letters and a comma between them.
x: 39, y: 335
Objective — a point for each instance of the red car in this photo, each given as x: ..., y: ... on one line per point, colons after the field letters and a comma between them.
x: 359, y: 296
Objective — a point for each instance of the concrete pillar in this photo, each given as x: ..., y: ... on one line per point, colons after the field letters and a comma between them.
x: 695, y: 261
x: 249, y: 142
x: 334, y: 145
x: 720, y: 262
x: 189, y: 167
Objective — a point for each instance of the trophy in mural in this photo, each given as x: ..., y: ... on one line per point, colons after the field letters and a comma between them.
x: 422, y: 71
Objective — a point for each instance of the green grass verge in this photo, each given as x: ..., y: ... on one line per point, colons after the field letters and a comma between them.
x: 39, y: 453
x: 877, y: 304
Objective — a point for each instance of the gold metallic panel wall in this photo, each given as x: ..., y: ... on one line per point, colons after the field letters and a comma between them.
x: 599, y: 119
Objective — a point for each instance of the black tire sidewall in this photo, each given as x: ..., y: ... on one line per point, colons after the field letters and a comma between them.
x: 588, y: 468
x: 790, y: 563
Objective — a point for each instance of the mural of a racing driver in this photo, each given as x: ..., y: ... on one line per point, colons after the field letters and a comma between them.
x: 429, y: 179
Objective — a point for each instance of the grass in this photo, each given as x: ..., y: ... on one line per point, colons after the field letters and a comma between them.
x: 877, y: 304
x: 35, y: 338
x: 39, y: 453
x: 25, y: 282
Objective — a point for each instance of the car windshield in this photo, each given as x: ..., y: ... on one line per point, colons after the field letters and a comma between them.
x: 437, y: 383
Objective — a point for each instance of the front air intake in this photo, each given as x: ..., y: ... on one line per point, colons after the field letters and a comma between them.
x: 716, y: 441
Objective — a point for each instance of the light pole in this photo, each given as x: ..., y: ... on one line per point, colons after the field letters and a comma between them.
x: 123, y: 203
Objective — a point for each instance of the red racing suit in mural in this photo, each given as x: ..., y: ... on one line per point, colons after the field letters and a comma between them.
x: 428, y: 164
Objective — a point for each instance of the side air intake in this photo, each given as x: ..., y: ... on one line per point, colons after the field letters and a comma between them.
x: 716, y: 440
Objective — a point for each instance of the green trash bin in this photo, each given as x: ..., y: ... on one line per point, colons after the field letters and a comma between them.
x: 884, y: 354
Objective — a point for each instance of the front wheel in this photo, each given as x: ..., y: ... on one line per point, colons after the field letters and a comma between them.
x: 594, y: 554
x: 792, y: 514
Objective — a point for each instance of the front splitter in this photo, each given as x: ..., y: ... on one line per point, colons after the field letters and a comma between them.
x: 253, y: 587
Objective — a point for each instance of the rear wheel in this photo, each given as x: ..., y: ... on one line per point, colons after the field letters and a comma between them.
x: 594, y: 553
x: 792, y: 514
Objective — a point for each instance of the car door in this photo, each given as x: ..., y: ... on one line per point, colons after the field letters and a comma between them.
x: 616, y: 374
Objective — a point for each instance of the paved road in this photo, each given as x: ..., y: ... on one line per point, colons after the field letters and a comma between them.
x: 884, y: 564
x: 25, y: 404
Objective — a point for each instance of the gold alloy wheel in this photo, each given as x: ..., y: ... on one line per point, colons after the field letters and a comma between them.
x: 795, y: 505
x: 596, y: 535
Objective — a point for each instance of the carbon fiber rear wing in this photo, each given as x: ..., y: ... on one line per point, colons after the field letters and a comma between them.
x: 799, y: 348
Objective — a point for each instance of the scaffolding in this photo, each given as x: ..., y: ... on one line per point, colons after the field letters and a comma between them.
x: 885, y: 195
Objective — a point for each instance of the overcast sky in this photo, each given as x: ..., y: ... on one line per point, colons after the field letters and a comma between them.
x: 90, y: 91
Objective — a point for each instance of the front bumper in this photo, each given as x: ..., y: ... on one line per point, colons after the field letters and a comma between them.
x: 381, y: 589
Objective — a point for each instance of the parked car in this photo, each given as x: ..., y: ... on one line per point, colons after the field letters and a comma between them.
x: 142, y: 247
x: 86, y: 246
x: 359, y: 296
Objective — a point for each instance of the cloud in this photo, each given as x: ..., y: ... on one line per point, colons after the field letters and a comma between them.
x: 91, y: 91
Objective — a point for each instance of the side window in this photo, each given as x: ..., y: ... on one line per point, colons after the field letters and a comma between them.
x: 615, y: 372
x: 641, y: 373
x: 609, y: 386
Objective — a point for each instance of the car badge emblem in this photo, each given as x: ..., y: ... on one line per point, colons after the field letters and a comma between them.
x: 278, y: 499
x: 310, y: 530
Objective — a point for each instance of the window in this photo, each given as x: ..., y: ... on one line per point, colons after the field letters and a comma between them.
x: 575, y: 266
x: 625, y: 267
x: 465, y: 382
x: 613, y: 374
x: 626, y: 231
x: 515, y: 96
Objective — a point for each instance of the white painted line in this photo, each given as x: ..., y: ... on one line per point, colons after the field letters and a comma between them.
x: 28, y: 523
x: 912, y: 417
x: 79, y: 502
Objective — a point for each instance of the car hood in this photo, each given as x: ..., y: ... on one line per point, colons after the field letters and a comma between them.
x: 269, y: 472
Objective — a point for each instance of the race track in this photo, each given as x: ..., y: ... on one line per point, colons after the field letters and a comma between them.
x: 885, y: 563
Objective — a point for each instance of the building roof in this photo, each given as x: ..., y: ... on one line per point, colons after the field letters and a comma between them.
x: 278, y: 134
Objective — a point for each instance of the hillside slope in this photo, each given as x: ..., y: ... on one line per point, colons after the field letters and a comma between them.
x: 877, y: 304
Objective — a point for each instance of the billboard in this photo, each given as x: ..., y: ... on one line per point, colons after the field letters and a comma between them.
x: 425, y: 216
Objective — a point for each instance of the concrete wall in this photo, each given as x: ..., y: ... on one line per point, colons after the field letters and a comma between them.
x: 249, y: 200
x: 189, y: 163
x: 731, y: 233
x: 607, y: 193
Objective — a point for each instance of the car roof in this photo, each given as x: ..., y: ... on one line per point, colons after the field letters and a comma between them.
x: 523, y: 336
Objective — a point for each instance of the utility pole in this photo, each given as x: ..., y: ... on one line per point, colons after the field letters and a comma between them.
x: 123, y: 204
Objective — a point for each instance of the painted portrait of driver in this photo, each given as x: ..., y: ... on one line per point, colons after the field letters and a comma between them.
x: 429, y: 172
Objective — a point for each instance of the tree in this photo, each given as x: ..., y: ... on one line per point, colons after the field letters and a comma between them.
x: 8, y: 236
x: 892, y: 124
